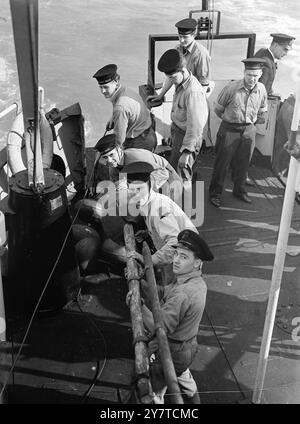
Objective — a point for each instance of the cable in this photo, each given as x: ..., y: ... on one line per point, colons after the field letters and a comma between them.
x: 221, y: 347
x: 94, y: 173
x: 99, y: 370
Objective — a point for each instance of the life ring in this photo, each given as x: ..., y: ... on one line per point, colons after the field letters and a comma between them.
x: 14, y: 143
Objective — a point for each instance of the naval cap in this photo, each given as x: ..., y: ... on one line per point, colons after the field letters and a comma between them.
x: 283, y: 38
x: 106, y: 74
x: 186, y: 26
x: 254, y: 63
x: 138, y: 171
x: 189, y: 239
x: 106, y: 144
x: 170, y: 62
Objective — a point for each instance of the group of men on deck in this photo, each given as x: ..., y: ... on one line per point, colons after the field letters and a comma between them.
x: 152, y: 187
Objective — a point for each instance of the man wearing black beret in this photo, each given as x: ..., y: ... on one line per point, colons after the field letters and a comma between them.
x: 182, y: 306
x: 188, y: 115
x: 164, y: 177
x: 196, y: 56
x: 131, y: 120
x: 163, y: 218
x: 157, y: 213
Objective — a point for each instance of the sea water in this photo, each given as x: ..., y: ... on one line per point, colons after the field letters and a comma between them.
x: 77, y: 37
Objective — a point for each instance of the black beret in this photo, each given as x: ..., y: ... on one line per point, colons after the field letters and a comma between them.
x: 254, y: 63
x: 189, y: 239
x: 138, y: 171
x: 170, y: 62
x: 283, y: 39
x: 106, y: 144
x: 186, y: 26
x: 106, y: 74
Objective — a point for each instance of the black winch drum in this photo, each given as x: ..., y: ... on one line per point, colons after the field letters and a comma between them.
x: 37, y: 229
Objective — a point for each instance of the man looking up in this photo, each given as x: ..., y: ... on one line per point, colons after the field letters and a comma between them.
x: 131, y: 120
x: 196, y: 56
x: 182, y: 305
x: 188, y: 115
x: 164, y: 177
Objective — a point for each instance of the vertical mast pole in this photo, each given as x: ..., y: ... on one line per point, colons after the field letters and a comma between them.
x: 284, y: 229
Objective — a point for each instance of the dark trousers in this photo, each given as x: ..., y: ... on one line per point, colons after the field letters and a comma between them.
x: 234, y: 141
x: 147, y: 140
x: 177, y: 136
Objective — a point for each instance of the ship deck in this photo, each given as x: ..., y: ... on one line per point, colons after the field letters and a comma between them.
x: 84, y: 354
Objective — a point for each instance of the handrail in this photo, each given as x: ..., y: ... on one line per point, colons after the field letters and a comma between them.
x: 16, y: 105
x: 9, y: 109
x: 154, y: 38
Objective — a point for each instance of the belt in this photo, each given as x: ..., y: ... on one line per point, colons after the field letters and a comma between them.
x: 176, y: 341
x: 239, y: 124
x: 181, y: 341
x: 177, y: 128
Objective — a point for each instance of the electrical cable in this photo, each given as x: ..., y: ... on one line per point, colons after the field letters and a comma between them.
x: 99, y: 370
x: 224, y: 353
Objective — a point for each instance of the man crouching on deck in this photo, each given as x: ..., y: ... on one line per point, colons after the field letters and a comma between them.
x: 182, y: 304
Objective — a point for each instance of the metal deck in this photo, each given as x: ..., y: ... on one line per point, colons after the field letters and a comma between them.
x: 86, y: 356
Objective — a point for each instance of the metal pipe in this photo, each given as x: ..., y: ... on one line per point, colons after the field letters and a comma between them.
x: 205, y: 5
x: 251, y: 45
x: 2, y: 307
x: 163, y: 344
x: 154, y: 38
x: 284, y: 229
x: 8, y: 110
x: 294, y: 126
x: 140, y: 348
x: 41, y: 97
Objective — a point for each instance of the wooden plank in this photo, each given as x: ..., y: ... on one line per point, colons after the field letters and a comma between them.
x: 163, y: 345
x: 140, y: 347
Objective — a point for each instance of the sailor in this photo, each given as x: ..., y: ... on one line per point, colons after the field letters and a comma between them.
x: 182, y: 305
x: 164, y: 177
x: 196, y: 56
x: 280, y: 46
x: 131, y: 120
x: 164, y: 219
x: 188, y: 115
x: 240, y: 105
x: 147, y: 210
